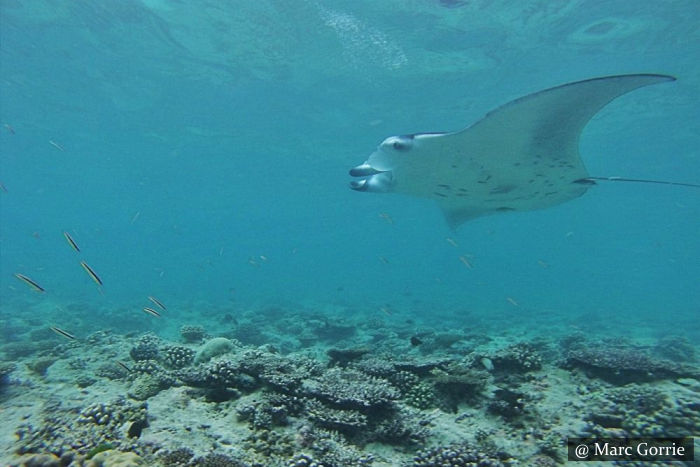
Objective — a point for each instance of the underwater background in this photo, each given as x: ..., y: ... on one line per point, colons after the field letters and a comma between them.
x: 198, y: 152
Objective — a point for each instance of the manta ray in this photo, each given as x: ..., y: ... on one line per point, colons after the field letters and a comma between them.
x: 521, y: 156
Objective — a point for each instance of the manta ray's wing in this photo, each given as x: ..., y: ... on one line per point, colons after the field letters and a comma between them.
x: 521, y: 156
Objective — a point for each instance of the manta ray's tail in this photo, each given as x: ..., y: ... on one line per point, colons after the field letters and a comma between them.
x: 592, y: 180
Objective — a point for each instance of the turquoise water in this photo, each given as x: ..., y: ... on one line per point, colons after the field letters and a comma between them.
x: 202, y: 148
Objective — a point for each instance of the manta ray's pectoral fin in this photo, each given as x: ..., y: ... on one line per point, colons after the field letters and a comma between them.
x: 458, y: 215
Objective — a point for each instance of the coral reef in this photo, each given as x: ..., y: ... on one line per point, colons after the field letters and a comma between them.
x: 111, y: 370
x: 625, y: 365
x: 220, y: 403
x: 456, y: 384
x: 192, y: 333
x: 146, y: 348
x: 213, y: 348
x: 113, y: 413
x: 177, y: 356
x: 41, y: 365
x: 38, y: 460
x: 266, y: 444
x: 459, y: 455
x: 326, y: 448
x: 62, y: 433
x: 345, y: 421
x: 642, y: 411
x: 219, y: 460
x: 6, y: 368
x: 177, y: 458
x: 509, y: 404
x: 341, y: 357
x: 421, y: 395
x: 144, y: 387
x: 520, y: 358
x: 113, y: 458
x: 351, y: 389
x: 148, y: 378
x: 333, y: 331
x: 676, y: 348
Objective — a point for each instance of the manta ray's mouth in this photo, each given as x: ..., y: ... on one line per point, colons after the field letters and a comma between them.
x: 376, y: 181
x: 364, y: 170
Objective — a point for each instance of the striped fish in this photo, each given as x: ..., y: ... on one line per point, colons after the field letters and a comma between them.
x: 63, y: 333
x: 151, y: 311
x: 71, y: 242
x: 91, y: 273
x: 29, y: 282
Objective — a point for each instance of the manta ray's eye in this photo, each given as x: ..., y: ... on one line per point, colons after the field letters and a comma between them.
x: 401, y: 145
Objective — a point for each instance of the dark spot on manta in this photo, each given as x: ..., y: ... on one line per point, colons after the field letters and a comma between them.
x: 454, y: 166
x: 549, y: 193
x: 463, y: 189
x: 440, y: 194
x: 442, y: 185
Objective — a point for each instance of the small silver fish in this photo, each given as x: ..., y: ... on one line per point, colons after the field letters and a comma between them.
x: 157, y: 302
x: 91, y: 273
x: 29, y: 282
x: 71, y: 242
x: 63, y: 333
x: 151, y: 311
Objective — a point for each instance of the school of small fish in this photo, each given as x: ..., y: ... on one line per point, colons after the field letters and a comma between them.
x: 95, y: 278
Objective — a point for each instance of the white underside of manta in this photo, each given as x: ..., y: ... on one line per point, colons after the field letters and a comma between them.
x: 521, y: 156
